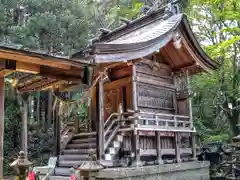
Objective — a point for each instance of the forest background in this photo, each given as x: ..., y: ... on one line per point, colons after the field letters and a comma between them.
x: 60, y: 27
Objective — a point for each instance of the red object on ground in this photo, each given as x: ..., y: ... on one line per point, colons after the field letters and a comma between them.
x: 72, y: 177
x: 31, y: 175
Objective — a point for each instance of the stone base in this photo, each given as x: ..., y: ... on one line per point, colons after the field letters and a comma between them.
x: 180, y: 171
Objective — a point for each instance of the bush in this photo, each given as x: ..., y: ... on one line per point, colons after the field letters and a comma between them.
x: 12, y: 132
x: 217, y: 138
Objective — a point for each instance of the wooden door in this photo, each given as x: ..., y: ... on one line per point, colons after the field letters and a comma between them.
x: 112, y: 99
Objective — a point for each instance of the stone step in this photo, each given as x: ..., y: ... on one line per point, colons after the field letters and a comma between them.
x: 119, y: 138
x: 81, y: 146
x: 107, y: 163
x: 69, y: 164
x: 84, y: 135
x: 83, y: 140
x: 62, y: 171
x: 76, y: 157
x: 59, y: 178
x: 112, y: 150
x: 116, y: 144
x: 109, y: 157
x: 75, y: 151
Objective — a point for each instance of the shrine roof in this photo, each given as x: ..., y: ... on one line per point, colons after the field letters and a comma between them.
x: 155, y: 33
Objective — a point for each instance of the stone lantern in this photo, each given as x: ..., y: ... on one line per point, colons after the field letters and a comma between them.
x: 89, y: 168
x: 21, y: 165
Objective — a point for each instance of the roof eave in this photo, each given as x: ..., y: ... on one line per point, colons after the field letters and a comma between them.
x: 208, y: 61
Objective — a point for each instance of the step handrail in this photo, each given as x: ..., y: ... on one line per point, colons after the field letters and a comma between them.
x: 108, y: 127
x: 111, y: 137
x: 110, y: 117
x: 108, y: 140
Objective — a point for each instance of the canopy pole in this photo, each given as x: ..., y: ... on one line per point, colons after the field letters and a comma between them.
x: 101, y: 118
x: 25, y: 127
x: 1, y: 124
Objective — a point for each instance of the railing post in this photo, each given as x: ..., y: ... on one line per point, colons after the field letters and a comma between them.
x: 175, y: 121
x: 135, y: 108
x: 177, y: 147
x: 193, y: 137
x: 137, y: 153
x: 159, y: 154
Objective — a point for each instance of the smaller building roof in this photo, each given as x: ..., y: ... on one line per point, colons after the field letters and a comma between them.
x: 37, y: 71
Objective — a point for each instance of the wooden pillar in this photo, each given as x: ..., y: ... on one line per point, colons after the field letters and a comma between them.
x: 193, y: 137
x: 1, y: 124
x: 137, y: 145
x: 101, y: 118
x: 134, y: 88
x: 89, y: 114
x: 135, y: 108
x: 97, y: 120
x: 194, y: 153
x: 38, y: 107
x: 76, y: 125
x: 50, y: 111
x: 177, y: 147
x: 57, y: 135
x: 25, y: 126
x: 159, y: 154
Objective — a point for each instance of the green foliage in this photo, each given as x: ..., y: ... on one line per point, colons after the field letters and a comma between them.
x: 215, y: 102
x: 12, y: 129
x: 217, y: 138
x: 58, y: 26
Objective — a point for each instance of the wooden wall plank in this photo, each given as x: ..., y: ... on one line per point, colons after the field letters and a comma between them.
x: 157, y: 83
x: 28, y: 68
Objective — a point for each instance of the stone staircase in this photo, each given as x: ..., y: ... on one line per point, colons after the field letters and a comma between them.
x: 112, y: 150
x: 74, y: 154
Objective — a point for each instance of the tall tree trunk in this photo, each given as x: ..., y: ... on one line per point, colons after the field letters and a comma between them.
x: 38, y: 109
x: 1, y: 124
x: 50, y: 109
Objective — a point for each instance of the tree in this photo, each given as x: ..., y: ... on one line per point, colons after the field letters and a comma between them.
x: 217, y: 26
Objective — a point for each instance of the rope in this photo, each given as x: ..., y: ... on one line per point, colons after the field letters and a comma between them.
x: 85, y: 96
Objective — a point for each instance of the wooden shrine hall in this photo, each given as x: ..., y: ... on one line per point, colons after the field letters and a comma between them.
x: 140, y: 98
x: 149, y: 61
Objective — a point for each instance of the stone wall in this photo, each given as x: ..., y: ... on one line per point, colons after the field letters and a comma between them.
x: 180, y: 171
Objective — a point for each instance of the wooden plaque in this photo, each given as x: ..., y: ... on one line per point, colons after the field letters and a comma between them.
x: 167, y: 134
x: 154, y: 97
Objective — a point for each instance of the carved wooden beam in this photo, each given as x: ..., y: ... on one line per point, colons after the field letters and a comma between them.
x: 34, y: 60
x: 155, y: 64
x: 27, y: 68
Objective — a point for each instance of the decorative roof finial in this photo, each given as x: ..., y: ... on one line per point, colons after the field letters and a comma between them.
x: 104, y: 30
x: 173, y: 7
